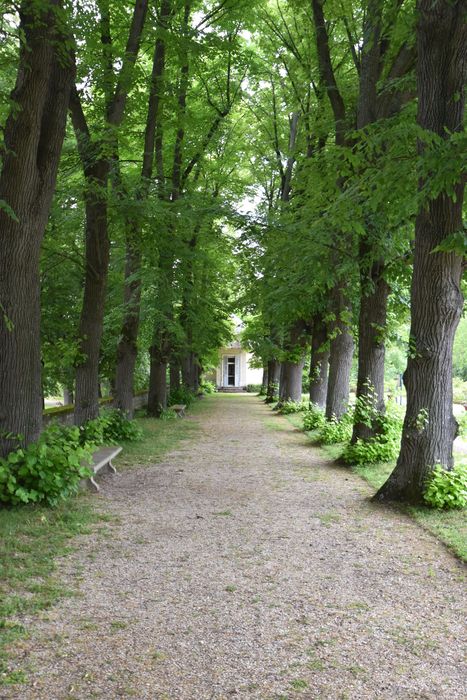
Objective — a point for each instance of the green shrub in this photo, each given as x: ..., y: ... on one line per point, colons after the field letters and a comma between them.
x: 47, y: 471
x: 459, y: 390
x: 334, y: 431
x: 288, y: 407
x: 462, y: 421
x: 182, y: 395
x: 168, y: 414
x: 313, y: 418
x: 382, y: 448
x: 447, y: 489
x: 255, y: 389
x: 112, y: 427
x: 208, y: 387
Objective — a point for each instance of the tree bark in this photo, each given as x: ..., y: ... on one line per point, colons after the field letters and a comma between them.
x: 319, y: 363
x: 274, y: 375
x: 190, y: 374
x: 33, y: 138
x: 127, y: 349
x: 291, y: 381
x: 371, y: 345
x: 97, y: 162
x: 157, y: 394
x: 340, y: 356
x: 174, y: 375
x: 436, y: 299
x: 264, y: 381
x: 68, y: 397
x: 292, y: 369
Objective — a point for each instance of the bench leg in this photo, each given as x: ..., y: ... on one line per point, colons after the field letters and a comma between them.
x: 111, y: 466
x: 93, y: 482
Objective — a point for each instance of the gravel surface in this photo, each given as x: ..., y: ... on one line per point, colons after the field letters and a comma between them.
x: 245, y: 566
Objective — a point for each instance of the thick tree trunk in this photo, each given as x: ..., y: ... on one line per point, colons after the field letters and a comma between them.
x: 68, y: 397
x: 371, y: 345
x: 319, y: 363
x: 92, y: 312
x: 190, y: 373
x: 97, y: 158
x: 340, y: 356
x: 292, y: 369
x: 33, y: 138
x: 291, y: 381
x: 127, y: 348
x: 264, y: 381
x: 157, y: 394
x: 274, y: 375
x: 174, y: 375
x: 436, y: 299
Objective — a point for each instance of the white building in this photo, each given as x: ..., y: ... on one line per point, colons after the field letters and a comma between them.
x: 234, y: 370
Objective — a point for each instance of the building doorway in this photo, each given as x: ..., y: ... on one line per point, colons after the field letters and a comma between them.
x: 231, y: 371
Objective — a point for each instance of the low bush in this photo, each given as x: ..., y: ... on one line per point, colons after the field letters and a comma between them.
x: 462, y: 421
x: 182, y: 395
x: 313, y: 418
x: 459, y: 390
x: 47, y: 471
x: 382, y: 448
x: 447, y: 489
x: 288, y: 407
x: 255, y: 389
x: 208, y: 387
x: 50, y: 470
x: 111, y: 427
x: 334, y: 430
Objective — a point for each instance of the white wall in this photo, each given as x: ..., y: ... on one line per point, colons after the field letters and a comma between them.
x: 246, y: 374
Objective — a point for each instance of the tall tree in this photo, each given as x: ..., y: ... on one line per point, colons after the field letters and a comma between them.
x: 436, y: 299
x: 127, y: 346
x: 97, y: 157
x: 33, y: 138
x: 342, y: 343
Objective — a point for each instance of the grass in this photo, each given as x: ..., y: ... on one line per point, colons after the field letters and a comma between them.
x: 161, y: 436
x: 450, y: 527
x: 32, y: 538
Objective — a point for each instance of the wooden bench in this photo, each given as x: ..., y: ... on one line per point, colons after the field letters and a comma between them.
x: 179, y: 409
x: 101, y: 458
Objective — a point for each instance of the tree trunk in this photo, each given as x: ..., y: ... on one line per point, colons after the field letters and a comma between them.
x: 274, y: 375
x: 319, y: 363
x: 291, y: 381
x: 68, y: 397
x: 174, y: 375
x: 33, y: 138
x: 157, y: 394
x: 371, y: 344
x: 190, y: 375
x: 292, y: 368
x: 97, y: 157
x: 340, y: 356
x: 127, y: 348
x: 92, y: 312
x: 436, y: 299
x: 264, y: 382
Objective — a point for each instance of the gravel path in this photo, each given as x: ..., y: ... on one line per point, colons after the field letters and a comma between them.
x: 243, y: 566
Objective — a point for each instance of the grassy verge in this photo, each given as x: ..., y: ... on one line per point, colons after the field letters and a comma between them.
x: 161, y: 436
x: 32, y: 538
x: 448, y: 526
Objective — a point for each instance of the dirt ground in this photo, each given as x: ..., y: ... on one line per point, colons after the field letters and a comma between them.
x: 245, y: 566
